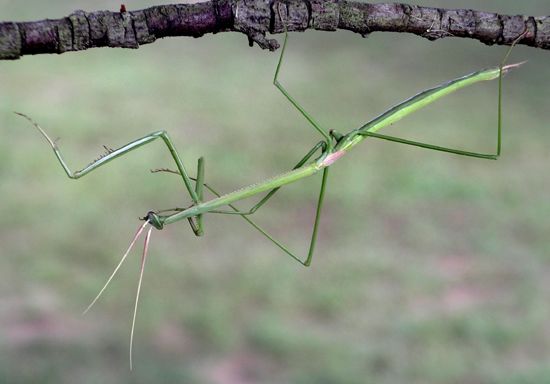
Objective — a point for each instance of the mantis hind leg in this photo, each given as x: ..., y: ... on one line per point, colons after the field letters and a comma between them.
x: 436, y: 147
x: 113, y: 154
x: 490, y: 156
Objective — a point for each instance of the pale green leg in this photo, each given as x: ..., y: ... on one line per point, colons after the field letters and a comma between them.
x: 489, y: 156
x: 113, y: 154
x: 279, y: 86
x: 313, y: 240
x: 236, y: 211
x: 433, y: 147
x: 199, y: 189
x: 319, y: 145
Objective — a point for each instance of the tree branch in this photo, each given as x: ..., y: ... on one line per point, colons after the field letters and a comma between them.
x: 82, y: 30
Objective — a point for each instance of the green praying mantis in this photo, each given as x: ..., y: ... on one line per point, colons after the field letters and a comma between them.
x: 318, y: 159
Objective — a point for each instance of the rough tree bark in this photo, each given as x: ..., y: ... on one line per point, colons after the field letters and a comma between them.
x: 82, y: 30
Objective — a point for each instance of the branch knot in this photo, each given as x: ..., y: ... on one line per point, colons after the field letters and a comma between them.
x: 252, y: 17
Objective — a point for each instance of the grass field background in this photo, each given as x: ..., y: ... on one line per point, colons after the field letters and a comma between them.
x: 430, y: 268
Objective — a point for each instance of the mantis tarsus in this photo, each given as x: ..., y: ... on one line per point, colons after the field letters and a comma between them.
x: 324, y: 154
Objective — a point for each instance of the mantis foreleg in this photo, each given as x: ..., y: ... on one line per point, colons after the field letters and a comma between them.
x: 113, y: 154
x: 197, y: 226
x: 269, y: 195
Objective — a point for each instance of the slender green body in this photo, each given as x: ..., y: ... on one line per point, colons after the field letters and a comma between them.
x: 419, y: 101
x: 332, y: 147
x: 243, y: 193
x: 343, y: 145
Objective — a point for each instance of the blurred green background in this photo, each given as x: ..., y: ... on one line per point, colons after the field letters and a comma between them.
x: 431, y: 268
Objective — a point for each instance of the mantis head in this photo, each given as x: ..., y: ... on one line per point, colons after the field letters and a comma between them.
x: 154, y: 219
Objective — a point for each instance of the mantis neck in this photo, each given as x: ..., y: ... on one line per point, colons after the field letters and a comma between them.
x: 243, y: 193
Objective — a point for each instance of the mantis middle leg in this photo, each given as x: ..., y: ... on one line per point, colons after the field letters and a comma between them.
x: 244, y: 214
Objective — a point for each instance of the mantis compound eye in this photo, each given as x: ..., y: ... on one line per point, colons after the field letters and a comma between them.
x: 154, y: 220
